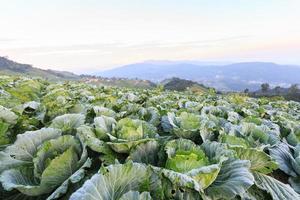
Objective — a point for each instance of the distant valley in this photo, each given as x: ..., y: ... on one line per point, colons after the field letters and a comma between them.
x: 225, y: 77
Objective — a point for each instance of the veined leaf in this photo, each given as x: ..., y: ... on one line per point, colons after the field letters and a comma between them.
x: 233, y: 179
x: 283, y: 156
x: 134, y: 195
x: 277, y: 189
x: 179, y: 179
x: 27, y: 143
x: 145, y: 153
x: 115, y: 181
x: 260, y: 161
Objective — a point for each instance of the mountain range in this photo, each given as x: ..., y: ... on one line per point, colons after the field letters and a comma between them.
x: 225, y: 77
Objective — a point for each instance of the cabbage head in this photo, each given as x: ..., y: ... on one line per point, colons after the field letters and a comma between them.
x: 186, y: 125
x: 43, y: 162
x: 129, y: 133
x: 207, y: 170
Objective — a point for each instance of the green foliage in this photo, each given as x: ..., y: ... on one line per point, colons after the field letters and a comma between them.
x: 78, y: 141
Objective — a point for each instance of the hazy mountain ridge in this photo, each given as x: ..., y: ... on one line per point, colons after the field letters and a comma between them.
x: 237, y: 76
x: 225, y: 77
x: 10, y: 67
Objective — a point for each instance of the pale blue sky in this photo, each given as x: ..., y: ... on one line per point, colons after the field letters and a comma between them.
x: 79, y: 35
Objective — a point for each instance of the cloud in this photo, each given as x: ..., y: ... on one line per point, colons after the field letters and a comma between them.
x: 92, y: 48
x: 193, y: 43
x: 7, y: 39
x: 69, y: 52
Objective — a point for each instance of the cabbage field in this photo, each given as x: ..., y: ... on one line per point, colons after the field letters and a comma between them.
x: 84, y: 142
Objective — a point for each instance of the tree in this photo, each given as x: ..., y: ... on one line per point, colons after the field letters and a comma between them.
x: 246, y: 90
x: 294, y: 93
x: 294, y: 89
x: 265, y: 87
x: 277, y: 90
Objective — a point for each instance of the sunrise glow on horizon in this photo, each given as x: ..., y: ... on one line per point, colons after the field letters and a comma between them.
x: 93, y: 35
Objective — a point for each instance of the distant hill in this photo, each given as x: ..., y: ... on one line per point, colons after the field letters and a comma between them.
x: 10, y: 67
x: 182, y: 85
x: 226, y: 77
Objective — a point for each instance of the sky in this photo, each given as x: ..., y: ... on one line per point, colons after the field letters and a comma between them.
x: 94, y: 35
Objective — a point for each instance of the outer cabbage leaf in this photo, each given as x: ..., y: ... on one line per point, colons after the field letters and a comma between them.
x: 294, y: 136
x: 108, y: 156
x: 68, y: 122
x: 277, y: 189
x: 260, y: 161
x: 175, y: 191
x: 179, y: 179
x: 254, y: 193
x: 115, y: 181
x: 284, y: 157
x: 233, y: 179
x: 234, y: 141
x: 73, y: 179
x: 259, y: 135
x: 295, y: 183
x: 25, y: 146
x: 288, y: 162
x: 7, y: 161
x: 217, y: 152
x: 205, y: 175
x: 145, y: 153
x: 134, y: 195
